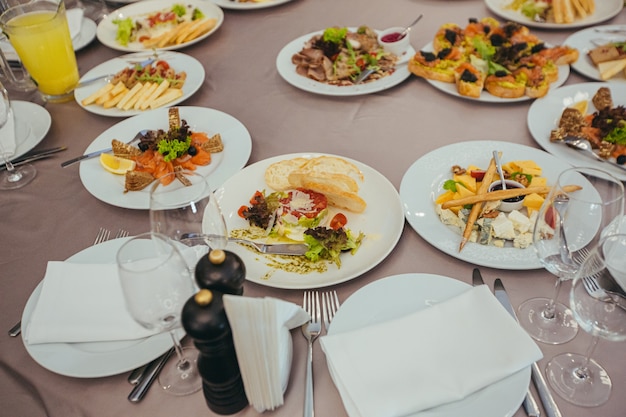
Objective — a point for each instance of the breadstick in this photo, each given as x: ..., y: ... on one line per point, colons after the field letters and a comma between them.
x: 504, y: 194
x: 476, y: 208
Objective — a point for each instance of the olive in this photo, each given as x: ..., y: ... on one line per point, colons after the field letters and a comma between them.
x: 192, y: 151
x: 621, y: 159
x: 143, y: 146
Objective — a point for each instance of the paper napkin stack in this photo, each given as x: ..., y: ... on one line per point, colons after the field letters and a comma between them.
x: 428, y: 358
x: 260, y: 328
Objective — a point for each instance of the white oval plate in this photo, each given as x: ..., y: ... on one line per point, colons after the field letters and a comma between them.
x: 32, y: 125
x: 109, y: 188
x: 179, y: 62
x: 235, y: 5
x: 485, y: 96
x: 422, y: 184
x: 382, y: 223
x: 287, y: 70
x: 107, y: 30
x: 94, y: 359
x: 544, y: 115
x: 605, y: 9
x: 582, y: 40
x: 414, y: 292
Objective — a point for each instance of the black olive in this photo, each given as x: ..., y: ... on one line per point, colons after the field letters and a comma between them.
x: 473, y: 20
x: 496, y: 40
x: 192, y: 151
x: 621, y: 159
x: 467, y: 76
x: 444, y: 53
x: 486, y: 29
x: 537, y: 48
x: 500, y: 73
x: 143, y: 146
x: 520, y: 46
x: 429, y: 56
x: 450, y: 36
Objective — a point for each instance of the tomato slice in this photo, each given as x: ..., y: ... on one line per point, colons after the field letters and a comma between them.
x: 338, y: 221
x: 256, y: 198
x: 479, y: 174
x: 241, y: 211
x: 319, y: 203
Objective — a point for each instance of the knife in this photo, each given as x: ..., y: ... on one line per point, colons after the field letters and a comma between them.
x: 150, y: 375
x: 549, y: 405
x: 72, y: 161
x: 530, y: 404
x: 33, y: 156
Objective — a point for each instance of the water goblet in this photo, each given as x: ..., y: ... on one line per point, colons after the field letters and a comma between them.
x: 156, y: 283
x: 12, y: 178
x: 569, y: 223
x: 598, y: 302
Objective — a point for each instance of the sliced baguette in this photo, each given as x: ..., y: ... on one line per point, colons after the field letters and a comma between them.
x: 337, y: 197
x: 277, y: 174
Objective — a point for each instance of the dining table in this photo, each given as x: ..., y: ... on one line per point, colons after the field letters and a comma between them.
x: 55, y: 217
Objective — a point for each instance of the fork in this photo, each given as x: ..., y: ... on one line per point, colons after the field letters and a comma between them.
x: 121, y: 233
x: 330, y: 305
x: 310, y: 330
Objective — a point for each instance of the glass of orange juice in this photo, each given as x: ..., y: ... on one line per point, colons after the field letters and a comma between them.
x: 41, y: 37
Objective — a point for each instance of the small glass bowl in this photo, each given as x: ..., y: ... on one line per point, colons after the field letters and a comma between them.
x: 509, y: 204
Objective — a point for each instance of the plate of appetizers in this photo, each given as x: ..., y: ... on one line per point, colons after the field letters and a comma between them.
x: 545, y: 114
x: 414, y: 292
x: 110, y: 188
x: 393, y: 73
x: 378, y: 226
x: 94, y: 359
x: 248, y: 4
x: 599, y: 11
x: 424, y: 181
x: 587, y: 40
x: 132, y: 28
x: 184, y: 75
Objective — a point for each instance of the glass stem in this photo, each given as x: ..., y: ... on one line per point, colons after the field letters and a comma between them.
x: 182, y: 364
x: 550, y: 311
x: 12, y: 174
x: 582, y: 371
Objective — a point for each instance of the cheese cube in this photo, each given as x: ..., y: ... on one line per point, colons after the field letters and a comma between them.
x: 527, y: 167
x: 533, y: 202
x: 521, y: 223
x: 503, y: 227
x: 467, y: 180
x: 447, y: 196
x: 538, y: 182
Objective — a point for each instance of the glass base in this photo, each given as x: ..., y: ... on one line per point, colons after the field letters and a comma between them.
x: 185, y: 381
x: 17, y: 178
x: 586, y: 389
x: 62, y: 98
x: 557, y: 330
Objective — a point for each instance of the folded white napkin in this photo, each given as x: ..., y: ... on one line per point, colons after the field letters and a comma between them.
x: 260, y: 328
x: 82, y: 303
x: 74, y: 21
x: 7, y: 136
x: 428, y: 358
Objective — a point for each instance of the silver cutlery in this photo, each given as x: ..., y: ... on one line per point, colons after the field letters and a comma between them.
x: 109, y: 77
x: 530, y: 404
x: 549, y: 405
x: 310, y: 330
x: 363, y: 75
x: 150, y: 375
x: 34, y: 155
x: 582, y: 144
x: 72, y: 161
x: 267, y: 248
x: 607, y: 30
x: 330, y: 305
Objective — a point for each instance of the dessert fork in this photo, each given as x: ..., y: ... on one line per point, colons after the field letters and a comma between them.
x: 310, y: 330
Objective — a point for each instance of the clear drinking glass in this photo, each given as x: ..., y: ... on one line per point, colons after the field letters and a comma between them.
x: 156, y: 283
x: 569, y: 223
x: 598, y: 301
x: 12, y: 178
x: 188, y: 212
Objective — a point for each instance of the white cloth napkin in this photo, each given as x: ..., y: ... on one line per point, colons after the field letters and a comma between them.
x: 428, y: 358
x: 82, y: 303
x: 260, y: 328
x: 7, y: 137
x: 74, y: 21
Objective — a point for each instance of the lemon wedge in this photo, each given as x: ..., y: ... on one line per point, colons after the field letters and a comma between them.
x: 581, y: 106
x: 116, y: 165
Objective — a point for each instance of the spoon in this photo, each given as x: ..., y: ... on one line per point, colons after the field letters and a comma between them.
x: 408, y: 28
x: 496, y: 158
x: 582, y: 144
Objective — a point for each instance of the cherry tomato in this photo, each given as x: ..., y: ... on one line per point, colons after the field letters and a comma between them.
x: 144, y: 38
x: 256, y: 198
x: 360, y: 63
x: 241, y: 211
x: 163, y: 65
x: 479, y: 174
x: 338, y: 221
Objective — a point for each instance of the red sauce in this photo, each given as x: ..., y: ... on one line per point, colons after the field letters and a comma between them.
x: 392, y: 37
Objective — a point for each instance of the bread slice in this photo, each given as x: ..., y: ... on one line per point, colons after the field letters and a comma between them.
x: 337, y: 197
x: 610, y: 69
x: 327, y: 164
x: 277, y: 174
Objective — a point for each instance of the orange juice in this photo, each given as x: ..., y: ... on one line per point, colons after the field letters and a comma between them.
x: 42, y: 40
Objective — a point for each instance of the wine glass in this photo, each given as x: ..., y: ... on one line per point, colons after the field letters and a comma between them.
x: 12, y: 178
x: 156, y: 283
x: 600, y: 310
x: 187, y: 211
x: 569, y: 222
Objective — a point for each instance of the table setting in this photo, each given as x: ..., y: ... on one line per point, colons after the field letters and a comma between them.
x: 391, y: 323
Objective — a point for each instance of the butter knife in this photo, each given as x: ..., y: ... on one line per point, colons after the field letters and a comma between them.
x: 33, y: 156
x: 530, y: 404
x: 549, y: 405
x: 149, y: 376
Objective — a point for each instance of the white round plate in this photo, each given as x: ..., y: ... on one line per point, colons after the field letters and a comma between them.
x: 423, y: 182
x: 94, y: 359
x: 414, y: 292
x: 382, y: 223
x: 178, y: 61
x: 287, y: 70
x: 107, y: 30
x: 249, y: 5
x: 605, y: 9
x: 583, y: 41
x: 86, y: 35
x: 32, y: 125
x: 109, y: 188
x: 544, y: 115
x: 485, y: 96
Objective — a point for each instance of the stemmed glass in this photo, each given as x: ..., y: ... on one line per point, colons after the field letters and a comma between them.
x: 187, y: 211
x: 156, y: 283
x: 598, y: 301
x: 569, y: 223
x: 13, y: 177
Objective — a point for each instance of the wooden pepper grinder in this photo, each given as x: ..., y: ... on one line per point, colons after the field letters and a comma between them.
x: 205, y: 321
